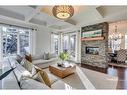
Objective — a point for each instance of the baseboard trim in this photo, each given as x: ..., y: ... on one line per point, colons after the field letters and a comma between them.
x: 95, y: 68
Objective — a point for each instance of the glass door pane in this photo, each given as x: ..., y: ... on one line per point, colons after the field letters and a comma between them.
x: 24, y: 41
x: 56, y: 43
x: 66, y: 43
x: 73, y: 46
x: 9, y: 41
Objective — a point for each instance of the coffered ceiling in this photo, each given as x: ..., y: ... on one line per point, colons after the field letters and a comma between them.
x: 83, y: 15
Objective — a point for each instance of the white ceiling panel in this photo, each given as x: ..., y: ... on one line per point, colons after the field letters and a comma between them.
x: 23, y: 10
x: 83, y: 15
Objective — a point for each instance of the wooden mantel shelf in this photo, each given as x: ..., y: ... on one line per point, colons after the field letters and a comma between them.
x: 92, y: 39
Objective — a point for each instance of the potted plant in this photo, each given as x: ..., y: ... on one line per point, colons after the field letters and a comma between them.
x: 64, y: 56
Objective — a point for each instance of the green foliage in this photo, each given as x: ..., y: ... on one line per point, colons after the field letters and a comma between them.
x: 64, y: 56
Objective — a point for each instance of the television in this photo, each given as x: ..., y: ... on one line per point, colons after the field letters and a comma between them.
x: 92, y: 50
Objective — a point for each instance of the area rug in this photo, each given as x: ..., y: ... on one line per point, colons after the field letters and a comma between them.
x: 94, y: 78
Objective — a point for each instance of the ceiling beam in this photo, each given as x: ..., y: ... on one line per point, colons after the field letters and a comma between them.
x: 11, y: 14
x: 71, y: 21
x: 98, y: 13
x: 33, y: 13
x: 39, y: 22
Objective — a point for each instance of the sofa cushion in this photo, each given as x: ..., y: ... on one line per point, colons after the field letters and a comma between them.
x: 21, y: 71
x: 36, y: 57
x: 60, y: 85
x: 53, y: 55
x: 43, y: 61
x: 10, y: 81
x: 52, y: 78
x: 32, y: 84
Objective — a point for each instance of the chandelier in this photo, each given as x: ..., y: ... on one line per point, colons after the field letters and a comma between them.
x: 63, y: 11
x: 116, y: 35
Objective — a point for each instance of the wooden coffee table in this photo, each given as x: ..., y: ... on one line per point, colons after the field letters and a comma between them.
x: 62, y: 71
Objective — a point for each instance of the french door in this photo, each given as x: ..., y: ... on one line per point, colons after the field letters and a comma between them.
x: 70, y: 44
x: 14, y: 40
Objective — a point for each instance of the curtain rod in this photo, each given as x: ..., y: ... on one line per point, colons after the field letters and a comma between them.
x: 18, y: 26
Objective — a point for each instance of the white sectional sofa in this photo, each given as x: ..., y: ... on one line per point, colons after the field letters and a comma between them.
x: 44, y: 63
x: 13, y: 80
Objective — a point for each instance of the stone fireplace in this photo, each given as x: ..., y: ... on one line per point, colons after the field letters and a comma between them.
x: 93, y: 52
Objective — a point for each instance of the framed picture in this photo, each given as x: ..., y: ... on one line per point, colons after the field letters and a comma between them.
x: 92, y: 34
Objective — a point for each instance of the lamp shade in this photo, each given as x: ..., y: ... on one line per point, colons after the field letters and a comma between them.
x: 63, y: 11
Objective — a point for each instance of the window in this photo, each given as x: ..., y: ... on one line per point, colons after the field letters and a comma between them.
x: 66, y: 42
x: 15, y: 40
x: 55, y: 43
x: 114, y: 44
x: 9, y: 41
x: 69, y: 44
x: 73, y: 45
x: 61, y: 42
x: 24, y: 41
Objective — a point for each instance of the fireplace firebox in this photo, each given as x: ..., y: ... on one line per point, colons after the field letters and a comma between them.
x: 92, y: 50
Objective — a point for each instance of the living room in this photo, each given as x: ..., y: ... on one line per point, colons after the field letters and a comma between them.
x: 80, y: 41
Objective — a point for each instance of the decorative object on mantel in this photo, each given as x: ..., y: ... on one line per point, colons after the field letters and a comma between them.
x: 66, y: 64
x: 92, y: 35
x: 63, y: 11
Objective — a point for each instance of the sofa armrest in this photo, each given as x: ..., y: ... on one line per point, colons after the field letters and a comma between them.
x: 32, y: 84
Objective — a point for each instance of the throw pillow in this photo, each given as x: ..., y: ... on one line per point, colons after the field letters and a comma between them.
x: 38, y: 77
x: 45, y: 76
x: 18, y: 58
x: 28, y: 57
x: 46, y: 56
x: 28, y: 65
x: 33, y: 72
x: 23, y: 61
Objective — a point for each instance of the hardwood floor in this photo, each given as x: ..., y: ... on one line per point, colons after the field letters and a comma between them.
x: 120, y: 72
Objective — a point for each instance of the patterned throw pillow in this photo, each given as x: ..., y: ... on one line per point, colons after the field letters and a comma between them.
x: 38, y: 77
x: 44, y: 76
x: 28, y: 65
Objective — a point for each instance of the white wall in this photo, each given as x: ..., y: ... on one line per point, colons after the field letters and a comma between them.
x: 42, y: 40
